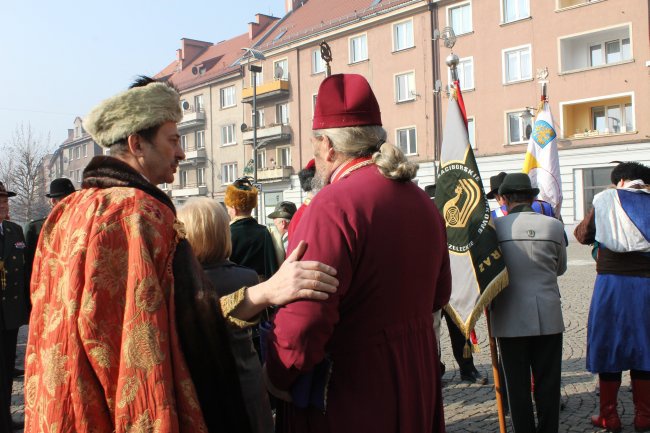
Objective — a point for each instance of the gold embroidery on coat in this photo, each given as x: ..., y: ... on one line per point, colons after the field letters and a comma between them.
x: 109, y: 270
x: 142, y: 349
x: 31, y: 358
x: 129, y: 391
x: 55, y: 373
x: 148, y: 295
x: 145, y: 425
x: 31, y: 391
x: 87, y: 304
x: 102, y: 355
x: 51, y: 318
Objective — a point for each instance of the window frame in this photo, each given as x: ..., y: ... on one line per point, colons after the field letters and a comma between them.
x: 279, y: 119
x: 519, y: 17
x: 234, y: 135
x: 260, y: 118
x: 317, y: 60
x: 199, y: 143
x: 469, y: 59
x: 228, y: 169
x: 200, y: 176
x: 278, y: 153
x: 261, y: 157
x: 458, y: 6
x: 222, y: 97
x: 411, y: 152
x: 285, y: 71
x: 504, y: 63
x: 396, y: 48
x: 183, y: 142
x: 472, y: 136
x: 522, y: 127
x: 198, y: 103
x: 352, y: 60
x: 411, y: 92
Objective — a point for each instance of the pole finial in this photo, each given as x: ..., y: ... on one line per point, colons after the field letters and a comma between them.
x: 326, y: 55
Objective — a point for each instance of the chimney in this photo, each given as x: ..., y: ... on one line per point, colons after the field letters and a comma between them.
x: 291, y: 5
x: 179, y: 58
x: 70, y: 133
x: 191, y: 49
x: 260, y: 24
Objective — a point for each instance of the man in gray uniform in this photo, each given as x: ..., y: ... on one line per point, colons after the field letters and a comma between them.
x: 526, y: 317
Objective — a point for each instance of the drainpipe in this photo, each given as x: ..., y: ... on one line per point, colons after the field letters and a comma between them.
x: 437, y: 96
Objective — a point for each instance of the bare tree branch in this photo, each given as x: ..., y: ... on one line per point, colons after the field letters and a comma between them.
x: 22, y: 171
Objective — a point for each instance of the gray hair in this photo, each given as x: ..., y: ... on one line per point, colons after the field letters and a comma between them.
x: 359, y: 141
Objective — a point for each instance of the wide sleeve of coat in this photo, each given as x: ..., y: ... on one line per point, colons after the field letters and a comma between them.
x: 302, y: 329
x: 127, y: 329
x: 585, y: 232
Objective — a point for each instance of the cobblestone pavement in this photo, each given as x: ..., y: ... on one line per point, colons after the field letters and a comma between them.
x: 472, y: 408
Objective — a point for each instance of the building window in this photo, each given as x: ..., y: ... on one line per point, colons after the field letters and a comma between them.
x: 281, y: 69
x: 228, y: 134
x: 183, y: 178
x: 520, y: 127
x: 198, y: 103
x: 77, y: 152
x: 84, y: 150
x: 184, y: 143
x: 405, y: 87
x: 403, y: 35
x: 313, y: 104
x: 228, y: 173
x: 78, y: 175
x: 612, y: 119
x: 256, y: 77
x: 597, y: 48
x: 594, y: 180
x: 72, y: 175
x: 514, y: 10
x: 260, y: 118
x: 228, y: 97
x: 358, y: 48
x: 471, y: 132
x: 407, y: 141
x: 460, y: 18
x: 200, y: 139
x: 517, y: 64
x: 70, y: 154
x: 465, y: 70
x: 317, y: 62
x: 284, y: 156
x: 261, y: 158
x: 282, y: 114
x: 200, y: 176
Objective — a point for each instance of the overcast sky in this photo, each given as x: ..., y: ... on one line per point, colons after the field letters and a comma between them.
x: 60, y: 58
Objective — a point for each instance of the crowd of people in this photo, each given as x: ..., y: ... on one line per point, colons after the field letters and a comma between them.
x: 145, y: 318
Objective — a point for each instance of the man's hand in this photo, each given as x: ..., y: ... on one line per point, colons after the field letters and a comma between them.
x: 300, y: 280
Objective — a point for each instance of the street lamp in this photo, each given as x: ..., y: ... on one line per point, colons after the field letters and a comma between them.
x: 254, y: 69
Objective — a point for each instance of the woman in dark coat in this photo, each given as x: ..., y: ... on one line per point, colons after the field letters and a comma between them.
x: 207, y: 226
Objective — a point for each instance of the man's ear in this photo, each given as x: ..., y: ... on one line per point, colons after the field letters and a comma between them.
x: 330, y: 149
x: 135, y: 144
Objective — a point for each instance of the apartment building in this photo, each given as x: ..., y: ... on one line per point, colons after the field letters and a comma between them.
x: 72, y: 156
x: 596, y: 58
x: 210, y: 78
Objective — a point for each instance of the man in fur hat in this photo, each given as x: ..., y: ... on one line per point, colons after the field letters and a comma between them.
x: 123, y: 336
x: 365, y: 360
x: 252, y: 245
x: 14, y: 310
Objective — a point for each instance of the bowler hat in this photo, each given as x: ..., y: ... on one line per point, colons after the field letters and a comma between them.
x: 285, y: 210
x: 345, y: 100
x: 4, y: 192
x: 60, y: 187
x: 517, y: 182
x: 495, y: 183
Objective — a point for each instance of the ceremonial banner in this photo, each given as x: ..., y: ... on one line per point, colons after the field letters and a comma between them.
x: 477, y: 267
x: 542, y: 163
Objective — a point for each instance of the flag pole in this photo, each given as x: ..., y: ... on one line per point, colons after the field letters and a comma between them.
x: 452, y: 61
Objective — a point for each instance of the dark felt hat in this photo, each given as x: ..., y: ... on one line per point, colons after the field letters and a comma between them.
x: 285, y: 210
x: 60, y: 187
x: 517, y: 182
x: 4, y: 192
x: 495, y: 183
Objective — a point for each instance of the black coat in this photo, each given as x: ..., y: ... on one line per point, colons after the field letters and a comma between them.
x: 252, y: 247
x: 14, y: 302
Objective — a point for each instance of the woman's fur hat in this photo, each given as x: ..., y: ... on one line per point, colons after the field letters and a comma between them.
x: 131, y: 111
x: 241, y: 195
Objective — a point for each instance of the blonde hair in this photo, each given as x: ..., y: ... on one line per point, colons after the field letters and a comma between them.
x: 358, y: 141
x: 208, y: 229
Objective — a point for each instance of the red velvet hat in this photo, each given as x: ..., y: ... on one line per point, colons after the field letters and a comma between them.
x: 345, y: 100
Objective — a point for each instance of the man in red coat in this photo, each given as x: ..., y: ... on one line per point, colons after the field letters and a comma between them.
x: 366, y: 358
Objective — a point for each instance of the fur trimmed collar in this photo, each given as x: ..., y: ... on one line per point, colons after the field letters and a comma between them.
x: 108, y: 172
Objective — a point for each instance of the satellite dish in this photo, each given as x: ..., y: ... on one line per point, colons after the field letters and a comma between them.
x: 243, y: 127
x: 279, y: 72
x: 186, y: 105
x: 195, y: 70
x: 449, y: 37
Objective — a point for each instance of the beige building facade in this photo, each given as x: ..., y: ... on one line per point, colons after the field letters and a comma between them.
x: 72, y: 156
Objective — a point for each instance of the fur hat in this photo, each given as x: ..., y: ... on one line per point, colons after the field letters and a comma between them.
x: 345, y: 100
x: 131, y: 111
x: 241, y: 195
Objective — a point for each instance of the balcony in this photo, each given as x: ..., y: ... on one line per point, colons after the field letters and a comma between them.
x: 266, y: 91
x: 189, y: 190
x: 194, y: 156
x: 274, y: 173
x: 269, y: 134
x: 603, y: 117
x: 569, y: 4
x: 192, y: 119
x: 595, y: 50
